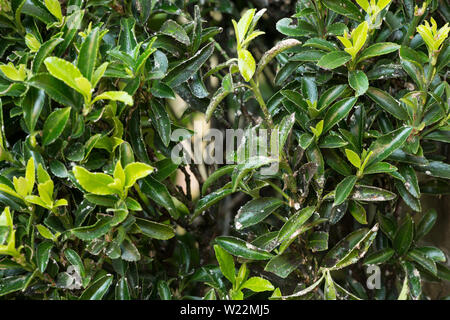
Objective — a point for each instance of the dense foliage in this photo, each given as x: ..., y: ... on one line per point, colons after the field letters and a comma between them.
x: 354, y: 94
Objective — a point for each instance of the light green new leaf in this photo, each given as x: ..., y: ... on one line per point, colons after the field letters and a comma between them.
x: 69, y: 74
x: 226, y: 263
x: 257, y: 284
x: 246, y: 63
x: 55, y: 8
x: 121, y: 96
x: 96, y: 183
x: 135, y: 171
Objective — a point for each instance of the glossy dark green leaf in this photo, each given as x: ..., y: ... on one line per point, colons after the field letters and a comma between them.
x: 174, y: 30
x: 54, y: 125
x: 293, y: 227
x: 358, y: 81
x: 404, y: 236
x: 350, y: 249
x: 74, y: 259
x: 154, y: 229
x: 122, y: 290
x: 283, y: 264
x: 256, y: 211
x: 343, y: 189
x: 422, y: 260
x: 378, y: 49
x: 380, y: 256
x: 333, y: 60
x: 387, y: 102
x: 187, y: 69
x: 100, y: 228
x: 158, y: 192
x: 160, y: 120
x: 44, y: 50
x: 240, y: 248
x: 32, y: 105
x: 426, y: 224
x: 56, y: 89
x: 43, y: 255
x: 98, y: 289
x: 87, y: 57
x: 209, y: 200
x: 337, y: 112
x: 385, y: 145
x: 318, y: 241
x: 345, y: 7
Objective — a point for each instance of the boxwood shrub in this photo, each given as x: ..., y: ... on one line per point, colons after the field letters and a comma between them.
x: 345, y: 102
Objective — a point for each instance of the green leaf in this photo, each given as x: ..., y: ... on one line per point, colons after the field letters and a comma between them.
x: 425, y: 262
x: 370, y: 194
x: 334, y: 59
x: 380, y: 167
x: 87, y: 57
x: 358, y: 81
x: 256, y: 211
x: 258, y: 284
x: 343, y: 189
x: 244, y: 24
x: 378, y: 49
x: 174, y: 30
x: 226, y: 263
x: 240, y: 248
x: 56, y: 89
x: 69, y: 74
x: 329, y: 290
x: 135, y: 171
x: 388, y: 103
x: 32, y: 105
x: 187, y: 69
x: 44, y: 50
x: 432, y: 253
x: 98, y: 289
x: 305, y: 291
x: 353, y: 158
x: 345, y: 8
x: 159, y: 194
x: 43, y: 255
x: 318, y: 241
x: 283, y: 264
x: 155, y: 230
x: 404, y: 236
x: 209, y: 200
x: 55, y: 8
x: 121, y: 96
x: 100, y: 228
x: 358, y: 212
x: 122, y: 291
x: 385, y: 145
x: 75, y: 260
x: 350, y: 249
x: 250, y: 164
x: 161, y: 90
x: 379, y: 257
x: 426, y: 224
x: 161, y: 121
x: 96, y: 183
x: 54, y: 125
x: 292, y: 228
x: 246, y: 63
x: 337, y: 112
x: 14, y: 283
